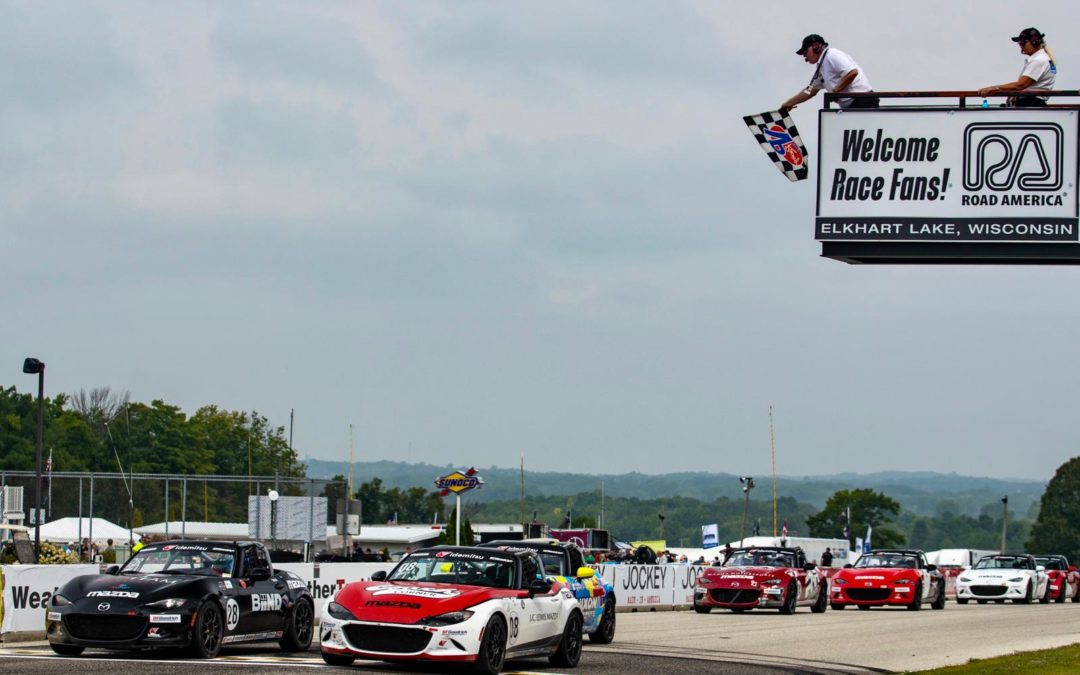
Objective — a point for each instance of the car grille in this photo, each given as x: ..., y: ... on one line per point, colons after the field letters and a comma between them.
x: 734, y: 596
x: 387, y: 639
x: 869, y: 594
x: 988, y: 590
x: 99, y: 627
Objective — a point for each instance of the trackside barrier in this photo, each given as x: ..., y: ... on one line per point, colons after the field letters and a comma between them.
x: 651, y: 587
x: 24, y: 592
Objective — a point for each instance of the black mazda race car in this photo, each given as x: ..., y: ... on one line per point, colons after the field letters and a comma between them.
x: 194, y: 594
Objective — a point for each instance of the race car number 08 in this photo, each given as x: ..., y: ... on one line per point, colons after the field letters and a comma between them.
x: 513, y: 627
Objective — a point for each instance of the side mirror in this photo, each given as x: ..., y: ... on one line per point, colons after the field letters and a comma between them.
x: 113, y: 569
x: 260, y: 574
x: 931, y: 568
x: 848, y: 566
x: 585, y: 573
x: 379, y: 576
x: 538, y: 587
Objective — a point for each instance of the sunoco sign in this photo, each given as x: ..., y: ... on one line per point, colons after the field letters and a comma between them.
x: 966, y: 175
x: 458, y: 482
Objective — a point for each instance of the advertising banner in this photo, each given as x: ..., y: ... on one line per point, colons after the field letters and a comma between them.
x: 961, y: 175
x: 710, y: 536
x: 25, y: 590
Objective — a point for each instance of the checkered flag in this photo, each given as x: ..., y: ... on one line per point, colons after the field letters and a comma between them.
x: 776, y: 133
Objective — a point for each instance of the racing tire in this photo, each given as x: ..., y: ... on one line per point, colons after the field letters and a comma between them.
x: 1061, y: 595
x: 791, y: 599
x: 838, y: 608
x: 737, y: 610
x: 338, y: 659
x: 569, y: 652
x: 605, y: 632
x: 1045, y: 599
x: 66, y: 650
x: 300, y: 627
x: 492, y: 654
x: 916, y: 601
x: 701, y: 609
x: 208, y: 631
x: 1076, y: 596
x: 961, y: 601
x: 822, y: 602
x: 939, y: 600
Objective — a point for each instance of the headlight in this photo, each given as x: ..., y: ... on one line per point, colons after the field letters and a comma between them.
x: 168, y: 603
x: 340, y: 613
x: 60, y: 601
x: 704, y: 580
x: 902, y: 581
x: 448, y: 618
x: 771, y: 582
x: 1015, y: 579
x: 839, y: 582
x: 965, y: 580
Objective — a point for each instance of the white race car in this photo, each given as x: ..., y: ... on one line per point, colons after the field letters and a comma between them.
x: 455, y: 604
x: 1016, y: 577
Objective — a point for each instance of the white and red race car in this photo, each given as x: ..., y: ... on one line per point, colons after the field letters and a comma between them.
x: 766, y: 577
x: 455, y: 604
x: 1064, y: 578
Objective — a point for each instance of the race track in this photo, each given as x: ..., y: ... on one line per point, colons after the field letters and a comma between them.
x: 685, y: 643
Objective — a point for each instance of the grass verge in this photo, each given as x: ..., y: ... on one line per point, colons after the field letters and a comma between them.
x: 1061, y: 661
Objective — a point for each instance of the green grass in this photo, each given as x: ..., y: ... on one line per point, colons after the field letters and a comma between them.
x: 1061, y: 661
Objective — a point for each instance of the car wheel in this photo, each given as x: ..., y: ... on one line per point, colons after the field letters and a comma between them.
x: 338, y: 659
x: 822, y: 601
x: 939, y: 599
x: 737, y: 610
x: 489, y: 660
x: 1061, y: 594
x: 961, y: 601
x: 916, y: 601
x: 299, y: 628
x: 66, y: 650
x: 569, y: 652
x: 1028, y: 595
x: 701, y: 609
x: 838, y: 608
x: 208, y: 631
x: 1045, y: 599
x: 791, y: 598
x: 605, y: 632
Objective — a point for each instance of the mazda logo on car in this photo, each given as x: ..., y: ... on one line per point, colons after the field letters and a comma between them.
x: 103, y: 607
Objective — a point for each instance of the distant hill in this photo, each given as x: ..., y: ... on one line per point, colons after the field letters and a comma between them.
x: 922, y: 493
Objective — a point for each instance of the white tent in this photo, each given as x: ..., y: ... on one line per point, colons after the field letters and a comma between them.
x: 67, y: 530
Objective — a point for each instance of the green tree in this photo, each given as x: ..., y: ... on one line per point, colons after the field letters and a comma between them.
x: 868, y: 509
x: 1055, y: 530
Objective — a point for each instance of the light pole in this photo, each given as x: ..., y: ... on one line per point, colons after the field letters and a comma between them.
x: 1004, y: 519
x: 747, y: 486
x: 273, y: 495
x: 33, y: 366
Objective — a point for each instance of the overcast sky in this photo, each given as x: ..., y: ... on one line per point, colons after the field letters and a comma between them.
x: 480, y: 229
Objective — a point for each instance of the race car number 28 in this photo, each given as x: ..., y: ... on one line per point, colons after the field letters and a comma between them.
x: 232, y: 614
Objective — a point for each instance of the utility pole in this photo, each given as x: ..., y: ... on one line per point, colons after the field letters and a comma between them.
x: 1004, y: 519
x: 748, y: 485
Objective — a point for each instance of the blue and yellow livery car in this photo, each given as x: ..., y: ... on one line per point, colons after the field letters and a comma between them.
x: 564, y: 562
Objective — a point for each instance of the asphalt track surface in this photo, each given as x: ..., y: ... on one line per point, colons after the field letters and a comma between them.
x: 679, y: 643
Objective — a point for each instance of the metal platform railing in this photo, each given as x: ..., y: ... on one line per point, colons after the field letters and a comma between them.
x: 961, y: 97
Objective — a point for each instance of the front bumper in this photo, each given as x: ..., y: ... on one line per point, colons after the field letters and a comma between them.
x: 129, y: 630
x: 400, y: 642
x: 877, y: 595
x: 740, y: 597
x: 992, y: 591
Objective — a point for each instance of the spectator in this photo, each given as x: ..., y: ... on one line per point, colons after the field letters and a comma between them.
x: 836, y: 72
x: 1039, y: 71
x: 826, y: 557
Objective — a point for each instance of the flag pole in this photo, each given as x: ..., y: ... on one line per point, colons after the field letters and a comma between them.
x: 772, y: 444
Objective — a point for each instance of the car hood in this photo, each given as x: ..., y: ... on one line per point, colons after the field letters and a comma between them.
x: 408, y: 602
x: 877, y: 574
x: 748, y: 573
x: 132, y: 589
x: 995, y: 575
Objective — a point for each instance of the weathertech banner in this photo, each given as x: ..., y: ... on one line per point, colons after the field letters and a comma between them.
x: 978, y: 175
x: 776, y: 134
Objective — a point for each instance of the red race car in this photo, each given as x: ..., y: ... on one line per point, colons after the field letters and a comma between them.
x: 764, y: 577
x: 1064, y: 578
x: 889, y: 577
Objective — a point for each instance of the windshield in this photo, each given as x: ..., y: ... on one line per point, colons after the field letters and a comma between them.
x: 182, y: 559
x: 1004, y: 562
x: 553, y: 563
x: 456, y: 568
x: 888, y: 560
x: 759, y: 558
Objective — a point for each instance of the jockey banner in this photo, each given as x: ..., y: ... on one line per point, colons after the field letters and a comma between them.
x: 961, y: 175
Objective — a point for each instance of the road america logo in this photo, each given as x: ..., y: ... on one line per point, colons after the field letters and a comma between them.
x: 783, y: 144
x: 414, y: 591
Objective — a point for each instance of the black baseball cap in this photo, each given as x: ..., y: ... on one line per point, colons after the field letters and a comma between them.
x: 1029, y: 34
x: 811, y: 39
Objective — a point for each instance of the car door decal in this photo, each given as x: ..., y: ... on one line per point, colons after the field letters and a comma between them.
x: 232, y: 614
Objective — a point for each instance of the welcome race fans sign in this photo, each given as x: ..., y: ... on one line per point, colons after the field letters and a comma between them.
x: 962, y: 175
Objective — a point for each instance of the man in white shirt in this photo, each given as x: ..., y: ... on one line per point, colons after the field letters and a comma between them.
x: 836, y: 72
x: 1039, y: 71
